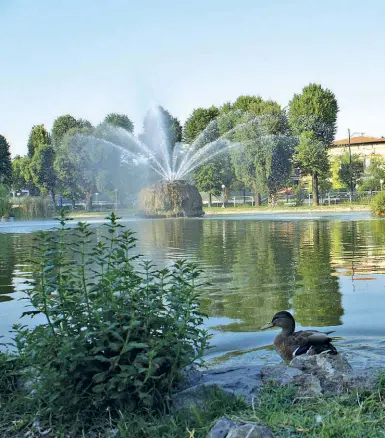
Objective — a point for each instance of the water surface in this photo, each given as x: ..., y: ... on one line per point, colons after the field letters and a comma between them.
x: 328, y: 269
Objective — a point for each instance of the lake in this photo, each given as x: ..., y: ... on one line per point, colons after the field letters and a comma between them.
x: 328, y: 269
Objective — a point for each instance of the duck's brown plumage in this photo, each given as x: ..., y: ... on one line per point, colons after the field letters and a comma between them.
x: 290, y: 343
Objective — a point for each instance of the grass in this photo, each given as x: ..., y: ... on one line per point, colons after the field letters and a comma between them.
x: 247, y: 209
x: 352, y: 415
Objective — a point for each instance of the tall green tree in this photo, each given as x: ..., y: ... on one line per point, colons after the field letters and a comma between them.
x: 373, y: 174
x: 120, y: 120
x: 350, y: 171
x: 263, y: 163
x: 311, y: 156
x: 21, y: 174
x: 61, y: 126
x: 39, y: 135
x: 314, y: 110
x: 197, y: 122
x: 5, y: 162
x: 42, y: 170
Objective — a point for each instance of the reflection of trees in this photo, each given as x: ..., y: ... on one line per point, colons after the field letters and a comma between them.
x: 254, y: 260
x: 317, y: 300
x: 7, y: 263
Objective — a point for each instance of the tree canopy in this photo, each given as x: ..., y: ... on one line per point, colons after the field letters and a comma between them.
x: 120, y: 120
x: 5, y: 162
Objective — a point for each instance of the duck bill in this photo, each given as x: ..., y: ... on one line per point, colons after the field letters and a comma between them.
x: 267, y: 326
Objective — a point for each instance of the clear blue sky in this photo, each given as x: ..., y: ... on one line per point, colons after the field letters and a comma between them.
x: 91, y: 57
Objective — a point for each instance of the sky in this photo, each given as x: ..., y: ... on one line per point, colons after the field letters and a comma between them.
x: 88, y: 58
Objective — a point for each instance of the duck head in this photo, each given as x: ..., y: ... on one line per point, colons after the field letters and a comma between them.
x: 281, y: 319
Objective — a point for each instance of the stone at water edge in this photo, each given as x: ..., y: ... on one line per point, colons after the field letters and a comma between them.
x: 171, y: 199
x: 225, y: 428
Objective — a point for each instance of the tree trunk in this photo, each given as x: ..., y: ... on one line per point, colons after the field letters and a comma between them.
x: 210, y: 200
x: 89, y: 202
x: 257, y: 199
x: 73, y: 203
x: 315, y: 189
x: 53, y: 198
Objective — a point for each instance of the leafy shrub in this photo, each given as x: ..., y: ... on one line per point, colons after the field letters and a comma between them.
x: 31, y: 207
x: 118, y: 331
x: 299, y: 196
x: 5, y: 204
x: 378, y: 204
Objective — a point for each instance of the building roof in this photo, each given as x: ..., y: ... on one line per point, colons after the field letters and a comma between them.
x: 359, y: 140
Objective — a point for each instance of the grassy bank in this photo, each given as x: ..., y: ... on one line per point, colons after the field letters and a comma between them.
x: 353, y: 415
x: 286, y: 209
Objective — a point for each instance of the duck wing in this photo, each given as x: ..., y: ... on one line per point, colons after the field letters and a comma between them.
x: 306, y: 341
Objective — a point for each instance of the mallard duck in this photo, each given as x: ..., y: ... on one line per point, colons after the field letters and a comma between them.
x: 290, y: 344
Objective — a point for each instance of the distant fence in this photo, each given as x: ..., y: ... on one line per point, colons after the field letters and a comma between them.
x: 330, y: 198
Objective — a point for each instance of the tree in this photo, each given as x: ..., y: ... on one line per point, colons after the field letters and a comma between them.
x: 61, y: 126
x: 350, y: 173
x: 170, y: 125
x: 38, y: 135
x: 311, y: 156
x: 120, y: 120
x: 42, y: 170
x: 373, y: 174
x: 21, y: 174
x: 264, y: 161
x: 314, y: 111
x: 211, y: 176
x: 5, y: 162
x: 197, y: 122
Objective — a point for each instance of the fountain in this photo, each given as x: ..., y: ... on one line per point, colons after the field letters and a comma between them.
x: 171, y: 193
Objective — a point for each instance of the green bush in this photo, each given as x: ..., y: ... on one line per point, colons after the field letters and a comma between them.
x: 35, y: 207
x: 299, y: 196
x: 5, y: 203
x: 118, y: 331
x: 378, y: 204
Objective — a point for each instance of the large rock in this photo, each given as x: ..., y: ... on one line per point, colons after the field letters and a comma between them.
x: 312, y: 375
x: 170, y: 199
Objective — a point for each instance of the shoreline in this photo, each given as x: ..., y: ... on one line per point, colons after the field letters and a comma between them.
x: 280, y: 210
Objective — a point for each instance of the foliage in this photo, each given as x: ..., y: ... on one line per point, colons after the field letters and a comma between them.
x: 120, y: 120
x: 315, y: 110
x: 335, y: 164
x: 170, y: 124
x: 197, y: 122
x: 299, y: 196
x: 311, y: 156
x: 61, y: 126
x: 378, y: 204
x: 42, y: 169
x: 313, y: 113
x: 21, y: 173
x: 211, y: 176
x: 5, y: 203
x: 350, y: 173
x: 5, y: 162
x: 373, y: 174
x: 34, y: 207
x: 264, y: 161
x: 118, y: 332
x: 39, y: 135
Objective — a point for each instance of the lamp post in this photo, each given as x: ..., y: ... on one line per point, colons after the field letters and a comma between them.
x: 350, y: 162
x: 223, y: 195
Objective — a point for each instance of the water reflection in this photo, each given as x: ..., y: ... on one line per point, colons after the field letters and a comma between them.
x: 321, y: 269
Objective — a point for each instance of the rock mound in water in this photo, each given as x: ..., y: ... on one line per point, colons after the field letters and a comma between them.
x: 170, y: 199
